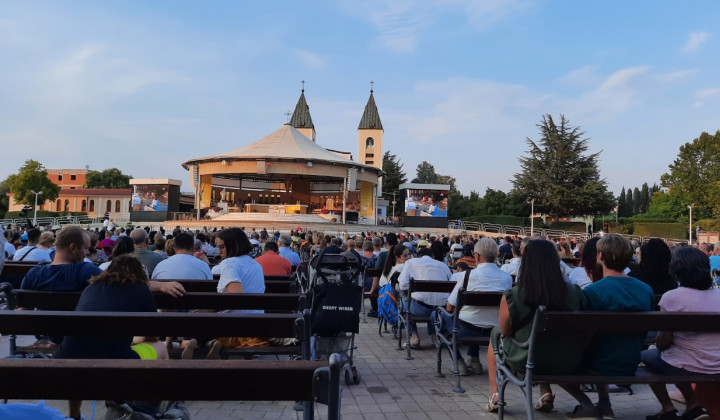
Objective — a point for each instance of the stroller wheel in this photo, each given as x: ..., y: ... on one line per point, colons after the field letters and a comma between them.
x: 352, y: 376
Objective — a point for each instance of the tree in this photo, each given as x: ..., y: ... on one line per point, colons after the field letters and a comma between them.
x: 425, y: 174
x: 645, y: 193
x: 109, y: 178
x: 494, y: 202
x: 394, y: 176
x: 559, y: 174
x: 694, y: 176
x: 629, y: 203
x: 637, y: 201
x: 622, y: 211
x: 32, y: 176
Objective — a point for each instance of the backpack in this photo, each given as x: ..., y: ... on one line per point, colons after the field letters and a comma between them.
x: 387, y: 302
x: 387, y: 305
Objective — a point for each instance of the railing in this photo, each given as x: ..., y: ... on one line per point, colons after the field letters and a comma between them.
x: 54, y: 221
x: 550, y: 233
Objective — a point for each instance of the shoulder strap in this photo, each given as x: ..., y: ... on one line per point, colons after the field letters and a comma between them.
x: 26, y: 254
x: 465, y: 280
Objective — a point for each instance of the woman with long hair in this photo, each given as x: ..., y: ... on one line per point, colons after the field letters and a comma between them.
x: 123, y: 287
x: 394, y: 263
x: 539, y: 282
x: 589, y: 271
x: 653, y: 268
x: 239, y: 273
x: 685, y: 353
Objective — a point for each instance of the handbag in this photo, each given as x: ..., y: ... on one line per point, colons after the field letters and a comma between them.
x: 335, y: 308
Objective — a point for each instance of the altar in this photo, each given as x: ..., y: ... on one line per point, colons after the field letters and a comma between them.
x: 276, y: 208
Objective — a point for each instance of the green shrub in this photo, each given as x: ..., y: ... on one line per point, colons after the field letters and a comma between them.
x: 569, y: 226
x: 505, y: 220
x: 661, y: 230
x: 711, y: 225
x: 41, y: 213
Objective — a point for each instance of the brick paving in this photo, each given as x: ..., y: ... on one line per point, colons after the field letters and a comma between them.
x: 394, y: 388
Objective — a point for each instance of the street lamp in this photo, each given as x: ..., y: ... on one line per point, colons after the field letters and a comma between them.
x: 690, y: 230
x: 532, y: 217
x: 35, y: 208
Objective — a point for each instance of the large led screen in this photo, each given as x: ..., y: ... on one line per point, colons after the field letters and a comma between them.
x: 426, y: 203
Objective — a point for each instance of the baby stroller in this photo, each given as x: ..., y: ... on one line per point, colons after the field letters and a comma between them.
x: 335, y: 297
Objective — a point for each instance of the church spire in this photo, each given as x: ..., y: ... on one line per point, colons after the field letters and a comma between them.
x: 371, y: 117
x: 301, y: 117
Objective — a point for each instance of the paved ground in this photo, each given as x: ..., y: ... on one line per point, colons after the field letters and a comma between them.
x: 395, y: 388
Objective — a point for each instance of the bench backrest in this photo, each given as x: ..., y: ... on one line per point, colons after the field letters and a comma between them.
x: 155, y: 324
x: 478, y: 298
x: 67, y: 301
x: 627, y: 322
x: 271, y: 286
x: 230, y: 379
x: 431, y: 286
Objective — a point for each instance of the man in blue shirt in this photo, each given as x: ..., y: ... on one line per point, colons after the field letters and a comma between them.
x: 612, y: 354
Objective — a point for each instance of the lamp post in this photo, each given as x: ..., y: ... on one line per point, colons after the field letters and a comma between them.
x: 690, y: 229
x: 532, y: 217
x: 35, y: 208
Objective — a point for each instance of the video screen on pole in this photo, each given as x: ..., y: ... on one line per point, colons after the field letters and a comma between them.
x: 150, y: 197
x: 426, y: 203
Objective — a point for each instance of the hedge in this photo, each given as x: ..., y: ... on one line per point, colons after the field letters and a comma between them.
x: 570, y: 226
x: 41, y: 213
x: 661, y: 230
x: 505, y: 220
x: 710, y: 225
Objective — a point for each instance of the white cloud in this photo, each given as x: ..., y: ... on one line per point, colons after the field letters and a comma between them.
x: 707, y: 93
x: 310, y: 59
x: 400, y: 23
x: 674, y: 76
x: 582, y: 76
x: 695, y: 40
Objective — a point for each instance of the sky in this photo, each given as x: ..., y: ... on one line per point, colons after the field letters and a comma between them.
x: 146, y: 85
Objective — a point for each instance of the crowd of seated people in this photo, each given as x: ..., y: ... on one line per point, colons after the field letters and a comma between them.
x: 607, y: 273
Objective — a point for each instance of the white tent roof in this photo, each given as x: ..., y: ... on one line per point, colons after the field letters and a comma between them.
x: 285, y: 143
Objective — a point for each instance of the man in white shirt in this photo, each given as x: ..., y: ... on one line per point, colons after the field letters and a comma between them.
x: 32, y: 252
x: 477, y: 320
x: 424, y: 267
x: 512, y: 266
x: 182, y: 265
x: 9, y: 247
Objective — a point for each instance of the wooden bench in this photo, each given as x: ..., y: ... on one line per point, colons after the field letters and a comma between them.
x: 181, y: 379
x: 271, y: 286
x: 404, y: 315
x: 602, y: 322
x: 452, y: 343
x: 66, y: 301
x: 13, y: 272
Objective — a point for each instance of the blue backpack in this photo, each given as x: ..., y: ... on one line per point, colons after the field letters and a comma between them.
x: 387, y: 302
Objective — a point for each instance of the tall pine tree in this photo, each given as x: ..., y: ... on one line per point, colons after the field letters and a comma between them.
x: 637, y: 201
x: 645, y: 194
x: 622, y: 212
x: 560, y: 175
x: 629, y: 203
x: 394, y: 176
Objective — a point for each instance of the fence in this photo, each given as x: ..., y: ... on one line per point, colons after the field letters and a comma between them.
x: 550, y: 233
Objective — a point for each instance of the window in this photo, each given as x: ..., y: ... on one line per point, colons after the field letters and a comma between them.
x: 92, y: 206
x: 83, y: 207
x: 369, y: 143
x: 72, y: 188
x: 57, y: 206
x: 60, y: 177
x: 369, y: 155
x: 67, y: 205
x: 117, y: 206
x: 73, y: 177
x: 369, y: 162
x: 108, y: 206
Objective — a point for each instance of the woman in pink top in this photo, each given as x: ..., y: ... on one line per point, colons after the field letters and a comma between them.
x: 680, y: 353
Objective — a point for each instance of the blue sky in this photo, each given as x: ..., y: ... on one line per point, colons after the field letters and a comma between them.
x: 146, y: 85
